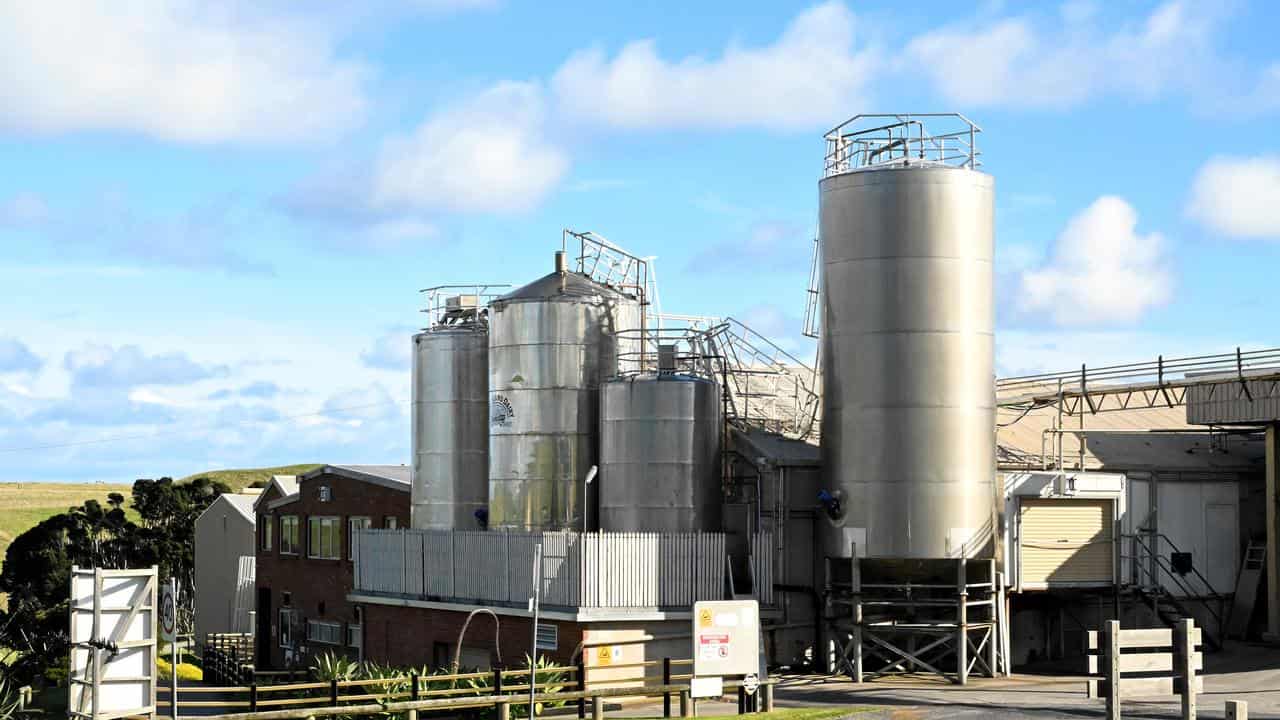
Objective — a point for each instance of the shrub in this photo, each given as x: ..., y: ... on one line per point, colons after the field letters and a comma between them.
x: 331, y: 666
x: 186, y: 671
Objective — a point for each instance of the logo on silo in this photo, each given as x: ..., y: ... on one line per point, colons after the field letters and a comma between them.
x: 500, y: 411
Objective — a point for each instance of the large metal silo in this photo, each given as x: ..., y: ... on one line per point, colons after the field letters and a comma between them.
x: 660, y: 442
x: 551, y: 343
x: 908, y: 326
x: 450, y: 422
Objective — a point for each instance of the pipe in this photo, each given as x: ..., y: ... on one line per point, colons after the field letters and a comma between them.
x: 561, y: 264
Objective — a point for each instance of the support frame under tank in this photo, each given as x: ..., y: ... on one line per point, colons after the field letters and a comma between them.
x: 903, y: 616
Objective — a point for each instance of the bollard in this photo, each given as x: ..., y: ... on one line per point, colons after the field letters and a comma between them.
x: 742, y: 701
x: 504, y: 710
x: 767, y: 690
x: 685, y: 710
x: 582, y: 684
x: 597, y: 708
x: 1237, y: 710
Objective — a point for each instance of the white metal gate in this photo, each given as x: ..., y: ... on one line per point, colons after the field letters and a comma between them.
x: 113, y: 643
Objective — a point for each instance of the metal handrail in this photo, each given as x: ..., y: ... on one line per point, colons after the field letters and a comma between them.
x: 902, y: 141
x: 1167, y: 567
x: 790, y: 407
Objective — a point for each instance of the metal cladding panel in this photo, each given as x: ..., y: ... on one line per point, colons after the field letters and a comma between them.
x: 908, y: 369
x: 660, y: 441
x: 450, y: 427
x: 547, y: 356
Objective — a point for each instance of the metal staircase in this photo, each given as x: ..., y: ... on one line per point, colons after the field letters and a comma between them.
x: 1171, y: 590
x: 767, y: 387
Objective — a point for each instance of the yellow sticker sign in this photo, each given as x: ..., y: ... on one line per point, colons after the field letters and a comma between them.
x: 604, y: 656
x: 704, y: 618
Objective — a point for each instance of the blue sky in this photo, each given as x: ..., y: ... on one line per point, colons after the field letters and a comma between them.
x: 216, y: 216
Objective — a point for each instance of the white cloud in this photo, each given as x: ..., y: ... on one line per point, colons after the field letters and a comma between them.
x: 809, y: 77
x: 488, y: 154
x: 1102, y: 271
x: 1239, y: 196
x: 1079, y: 55
x: 23, y: 210
x: 178, y: 70
x: 390, y: 351
x: 127, y: 366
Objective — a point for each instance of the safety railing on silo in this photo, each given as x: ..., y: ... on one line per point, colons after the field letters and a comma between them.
x: 879, y: 140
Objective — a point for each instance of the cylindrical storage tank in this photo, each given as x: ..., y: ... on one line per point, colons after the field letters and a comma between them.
x: 908, y: 386
x: 551, y: 343
x: 660, y: 442
x: 450, y: 427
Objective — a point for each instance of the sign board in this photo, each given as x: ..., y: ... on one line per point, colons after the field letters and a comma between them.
x: 750, y: 684
x: 168, y: 613
x: 726, y: 637
x: 114, y: 618
x: 706, y: 687
x: 608, y: 654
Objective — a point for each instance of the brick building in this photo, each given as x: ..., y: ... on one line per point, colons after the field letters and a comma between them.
x: 304, y: 557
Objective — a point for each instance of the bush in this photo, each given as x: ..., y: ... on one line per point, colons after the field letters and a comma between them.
x: 186, y: 671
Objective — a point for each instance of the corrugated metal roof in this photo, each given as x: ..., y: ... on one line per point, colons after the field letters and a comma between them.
x: 396, y: 477
x: 778, y: 449
x: 1122, y: 440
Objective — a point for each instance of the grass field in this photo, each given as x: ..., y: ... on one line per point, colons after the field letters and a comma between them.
x: 24, y: 505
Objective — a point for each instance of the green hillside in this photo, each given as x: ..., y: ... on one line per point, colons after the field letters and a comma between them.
x: 239, y: 479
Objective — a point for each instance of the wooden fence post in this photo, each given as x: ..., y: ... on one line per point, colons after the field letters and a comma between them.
x: 414, y: 694
x: 333, y: 692
x: 666, y: 680
x: 597, y: 708
x: 1185, y: 653
x: 685, y: 704
x: 1111, y: 640
x: 1237, y: 710
x: 504, y: 710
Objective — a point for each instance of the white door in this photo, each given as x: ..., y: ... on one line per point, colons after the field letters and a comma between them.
x: 1221, y: 546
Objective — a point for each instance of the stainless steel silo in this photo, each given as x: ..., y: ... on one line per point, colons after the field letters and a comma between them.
x: 450, y: 426
x: 551, y: 343
x: 908, y: 326
x: 660, y: 441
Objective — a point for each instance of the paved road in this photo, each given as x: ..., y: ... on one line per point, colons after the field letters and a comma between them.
x: 1246, y: 673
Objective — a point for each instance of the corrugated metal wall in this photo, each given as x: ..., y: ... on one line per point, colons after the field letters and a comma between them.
x: 1227, y: 403
x: 597, y: 570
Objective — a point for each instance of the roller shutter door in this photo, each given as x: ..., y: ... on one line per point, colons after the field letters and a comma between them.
x: 1066, y: 542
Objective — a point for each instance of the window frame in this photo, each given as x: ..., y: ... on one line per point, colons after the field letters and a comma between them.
x: 294, y: 545
x: 355, y: 635
x: 334, y: 522
x: 351, y: 532
x: 267, y: 525
x: 390, y: 522
x: 332, y: 626
x: 287, y: 619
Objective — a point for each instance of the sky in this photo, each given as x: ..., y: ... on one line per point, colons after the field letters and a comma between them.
x: 217, y: 217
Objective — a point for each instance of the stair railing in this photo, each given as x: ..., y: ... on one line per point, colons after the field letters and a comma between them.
x: 1154, y: 566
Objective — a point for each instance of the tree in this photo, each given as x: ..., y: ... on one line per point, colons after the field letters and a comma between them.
x: 37, y: 567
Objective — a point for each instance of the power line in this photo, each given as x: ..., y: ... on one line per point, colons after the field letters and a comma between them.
x: 196, y: 428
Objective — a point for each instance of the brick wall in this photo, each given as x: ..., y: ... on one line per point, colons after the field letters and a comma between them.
x: 413, y: 636
x: 318, y: 588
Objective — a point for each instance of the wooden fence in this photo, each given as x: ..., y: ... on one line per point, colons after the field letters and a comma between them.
x: 264, y: 691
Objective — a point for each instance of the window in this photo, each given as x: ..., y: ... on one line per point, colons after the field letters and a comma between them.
x: 354, y: 524
x: 389, y: 522
x: 324, y: 537
x: 323, y: 631
x: 266, y: 524
x: 325, y: 494
x: 288, y: 627
x: 353, y: 635
x: 548, y: 636
x: 289, y: 535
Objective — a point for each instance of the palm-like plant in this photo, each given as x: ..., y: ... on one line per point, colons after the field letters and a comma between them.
x: 332, y: 666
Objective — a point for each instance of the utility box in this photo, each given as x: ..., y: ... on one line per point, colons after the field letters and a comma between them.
x: 726, y: 637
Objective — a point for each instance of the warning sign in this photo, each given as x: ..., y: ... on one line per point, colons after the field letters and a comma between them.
x: 604, y: 656
x: 726, y: 637
x: 713, y: 647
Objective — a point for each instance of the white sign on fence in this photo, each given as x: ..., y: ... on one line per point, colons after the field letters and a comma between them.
x: 114, y: 616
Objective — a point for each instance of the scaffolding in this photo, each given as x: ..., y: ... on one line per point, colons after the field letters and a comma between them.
x: 888, y: 617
